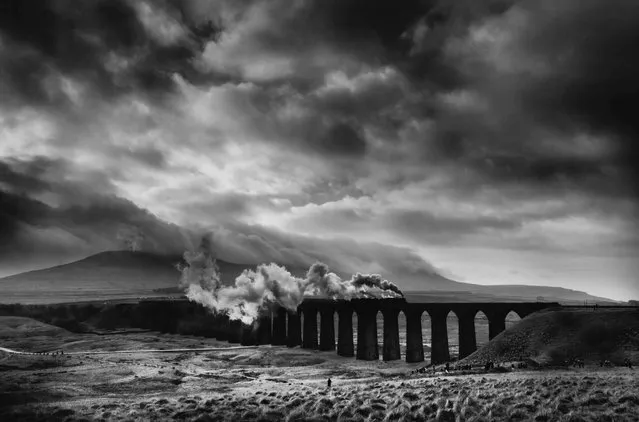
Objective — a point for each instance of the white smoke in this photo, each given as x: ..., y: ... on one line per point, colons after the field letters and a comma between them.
x: 270, y: 284
x: 321, y: 282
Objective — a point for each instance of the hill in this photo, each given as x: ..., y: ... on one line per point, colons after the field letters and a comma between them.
x: 139, y: 273
x: 20, y: 327
x: 111, y: 272
x: 36, y: 235
x: 507, y: 293
x: 119, y: 270
x: 548, y: 293
x: 553, y: 336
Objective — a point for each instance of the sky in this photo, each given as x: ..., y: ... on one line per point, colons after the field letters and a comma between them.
x: 491, y: 141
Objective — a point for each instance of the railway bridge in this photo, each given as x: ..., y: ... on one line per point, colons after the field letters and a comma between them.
x: 301, y: 328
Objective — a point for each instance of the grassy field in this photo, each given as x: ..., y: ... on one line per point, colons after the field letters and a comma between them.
x: 273, y: 383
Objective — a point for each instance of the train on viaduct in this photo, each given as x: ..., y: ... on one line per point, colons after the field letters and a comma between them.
x: 285, y: 328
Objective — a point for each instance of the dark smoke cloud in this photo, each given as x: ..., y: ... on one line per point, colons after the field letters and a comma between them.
x: 374, y: 281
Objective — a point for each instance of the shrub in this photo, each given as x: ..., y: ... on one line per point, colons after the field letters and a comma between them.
x: 601, y: 337
x: 557, y: 355
x: 409, y: 395
x: 68, y: 324
x: 629, y: 398
x: 294, y: 403
x: 518, y: 414
x: 445, y: 415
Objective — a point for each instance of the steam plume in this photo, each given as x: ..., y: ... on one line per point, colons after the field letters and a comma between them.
x: 254, y: 291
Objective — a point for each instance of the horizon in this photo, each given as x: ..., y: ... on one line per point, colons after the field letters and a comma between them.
x: 253, y: 266
x: 491, y: 143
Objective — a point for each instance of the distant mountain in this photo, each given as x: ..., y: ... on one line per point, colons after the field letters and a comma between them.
x: 504, y: 292
x: 104, y: 271
x: 433, y: 286
x: 34, y: 235
x: 113, y: 271
x: 546, y: 292
x: 125, y: 271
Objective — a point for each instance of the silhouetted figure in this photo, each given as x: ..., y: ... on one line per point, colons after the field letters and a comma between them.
x: 628, y: 363
x: 447, y: 366
x: 329, y: 383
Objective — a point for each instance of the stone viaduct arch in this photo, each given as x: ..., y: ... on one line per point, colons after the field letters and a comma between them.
x: 283, y: 327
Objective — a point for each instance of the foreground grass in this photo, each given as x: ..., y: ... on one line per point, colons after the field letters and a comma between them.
x: 561, y: 396
x: 275, y: 384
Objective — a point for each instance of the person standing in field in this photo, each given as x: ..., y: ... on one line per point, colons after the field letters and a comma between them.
x: 329, y: 383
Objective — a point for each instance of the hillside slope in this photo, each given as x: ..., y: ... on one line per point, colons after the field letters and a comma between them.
x: 118, y: 270
x: 506, y: 293
x: 125, y: 271
x: 36, y: 235
x: 552, y: 336
x: 547, y: 292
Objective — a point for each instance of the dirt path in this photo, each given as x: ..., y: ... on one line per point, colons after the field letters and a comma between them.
x: 110, y: 352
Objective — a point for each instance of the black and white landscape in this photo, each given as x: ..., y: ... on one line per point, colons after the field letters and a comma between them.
x: 209, y: 208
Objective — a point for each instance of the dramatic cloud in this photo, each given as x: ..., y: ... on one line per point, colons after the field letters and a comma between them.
x: 476, y: 134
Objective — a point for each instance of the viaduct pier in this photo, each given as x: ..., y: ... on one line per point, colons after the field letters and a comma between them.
x: 286, y: 328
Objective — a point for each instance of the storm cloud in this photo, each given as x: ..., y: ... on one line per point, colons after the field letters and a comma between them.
x: 457, y: 132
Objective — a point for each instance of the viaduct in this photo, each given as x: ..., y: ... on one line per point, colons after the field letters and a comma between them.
x: 283, y: 327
